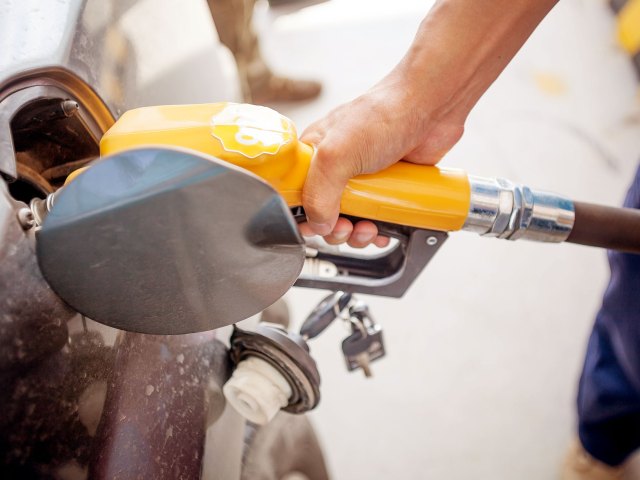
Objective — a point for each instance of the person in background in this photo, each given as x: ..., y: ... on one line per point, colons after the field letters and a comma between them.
x: 417, y: 113
x: 233, y: 20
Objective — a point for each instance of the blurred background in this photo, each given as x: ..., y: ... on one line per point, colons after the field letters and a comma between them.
x: 484, y: 352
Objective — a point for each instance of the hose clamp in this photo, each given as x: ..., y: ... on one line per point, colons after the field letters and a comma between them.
x: 500, y: 208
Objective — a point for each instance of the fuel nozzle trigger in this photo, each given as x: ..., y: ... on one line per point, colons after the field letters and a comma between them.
x: 389, y: 273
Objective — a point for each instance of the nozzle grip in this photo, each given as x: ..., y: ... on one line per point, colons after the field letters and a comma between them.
x: 420, y: 196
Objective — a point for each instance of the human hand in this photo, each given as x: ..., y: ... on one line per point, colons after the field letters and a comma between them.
x: 385, y: 125
x: 417, y: 112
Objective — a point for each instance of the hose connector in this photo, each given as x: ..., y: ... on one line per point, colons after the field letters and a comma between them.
x: 503, y: 209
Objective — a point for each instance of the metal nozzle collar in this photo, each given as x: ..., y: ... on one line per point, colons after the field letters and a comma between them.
x: 502, y: 209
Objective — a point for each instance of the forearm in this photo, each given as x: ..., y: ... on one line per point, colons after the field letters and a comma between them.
x: 417, y: 112
x: 461, y: 48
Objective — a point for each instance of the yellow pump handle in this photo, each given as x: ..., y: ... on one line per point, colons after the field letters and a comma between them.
x: 266, y: 143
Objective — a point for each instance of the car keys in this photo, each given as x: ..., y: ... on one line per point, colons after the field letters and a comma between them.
x: 330, y: 308
x: 365, y: 344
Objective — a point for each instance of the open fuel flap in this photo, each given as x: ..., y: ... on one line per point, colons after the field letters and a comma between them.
x: 167, y: 241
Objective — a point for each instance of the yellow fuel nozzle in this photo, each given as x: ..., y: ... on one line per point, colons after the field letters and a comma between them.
x: 266, y: 143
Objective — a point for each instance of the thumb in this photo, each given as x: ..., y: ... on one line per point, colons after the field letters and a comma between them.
x: 322, y: 192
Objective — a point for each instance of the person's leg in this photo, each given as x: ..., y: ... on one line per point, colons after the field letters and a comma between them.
x: 232, y: 19
x: 609, y: 390
x: 234, y: 22
x: 608, y: 404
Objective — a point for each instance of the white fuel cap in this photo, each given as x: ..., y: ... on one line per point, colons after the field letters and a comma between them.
x: 257, y: 390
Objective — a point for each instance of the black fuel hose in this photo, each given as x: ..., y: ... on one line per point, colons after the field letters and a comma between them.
x: 606, y: 227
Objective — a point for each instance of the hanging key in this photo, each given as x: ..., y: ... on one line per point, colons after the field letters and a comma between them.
x: 365, y: 344
x: 330, y: 308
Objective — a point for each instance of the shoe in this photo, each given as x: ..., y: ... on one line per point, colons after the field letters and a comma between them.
x: 580, y: 465
x: 282, y: 89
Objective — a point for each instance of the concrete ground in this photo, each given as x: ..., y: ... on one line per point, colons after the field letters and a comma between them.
x: 485, y: 350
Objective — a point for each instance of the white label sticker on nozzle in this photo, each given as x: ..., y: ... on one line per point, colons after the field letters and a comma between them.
x: 251, y: 130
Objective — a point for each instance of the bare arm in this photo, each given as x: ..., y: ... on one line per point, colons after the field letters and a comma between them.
x: 417, y: 112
